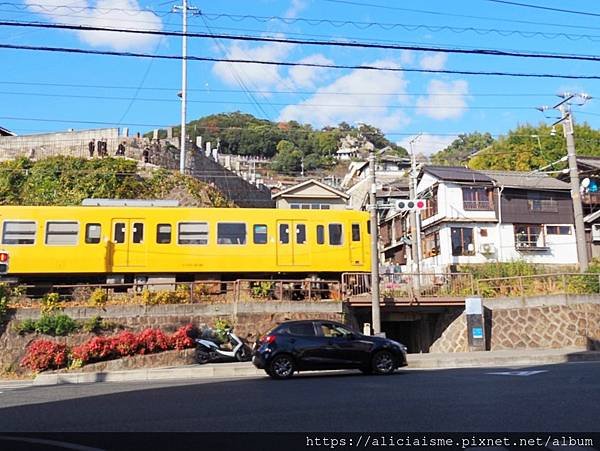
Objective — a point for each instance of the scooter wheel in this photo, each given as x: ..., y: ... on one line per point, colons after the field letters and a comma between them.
x: 202, y: 357
x: 243, y: 355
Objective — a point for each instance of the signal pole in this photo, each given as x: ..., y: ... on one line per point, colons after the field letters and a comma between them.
x: 564, y: 106
x: 184, y: 10
x: 415, y: 225
x: 375, y: 314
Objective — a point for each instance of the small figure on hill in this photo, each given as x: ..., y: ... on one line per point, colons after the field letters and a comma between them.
x: 92, y: 147
x: 121, y: 149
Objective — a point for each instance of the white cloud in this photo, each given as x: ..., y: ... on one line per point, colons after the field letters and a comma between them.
x: 306, y: 77
x: 444, y: 100
x: 105, y: 13
x: 427, y: 144
x: 259, y: 76
x: 354, y: 106
x: 435, y: 61
x: 407, y: 57
x: 295, y: 8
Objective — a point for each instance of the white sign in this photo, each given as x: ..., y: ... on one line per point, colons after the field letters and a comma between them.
x: 473, y: 306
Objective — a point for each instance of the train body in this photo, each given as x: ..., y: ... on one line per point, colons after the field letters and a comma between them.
x: 100, y: 242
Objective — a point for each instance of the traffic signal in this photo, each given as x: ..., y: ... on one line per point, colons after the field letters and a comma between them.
x: 411, y: 205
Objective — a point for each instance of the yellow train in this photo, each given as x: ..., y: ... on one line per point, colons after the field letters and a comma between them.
x: 107, y: 243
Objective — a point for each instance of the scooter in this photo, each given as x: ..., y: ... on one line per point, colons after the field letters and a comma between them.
x: 207, y: 350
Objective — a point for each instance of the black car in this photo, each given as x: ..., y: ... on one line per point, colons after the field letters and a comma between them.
x: 324, y: 345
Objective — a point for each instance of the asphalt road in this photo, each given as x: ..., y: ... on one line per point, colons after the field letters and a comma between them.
x: 562, y: 397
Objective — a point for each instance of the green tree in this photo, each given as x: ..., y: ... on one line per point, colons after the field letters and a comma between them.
x: 288, y: 159
x: 458, y: 151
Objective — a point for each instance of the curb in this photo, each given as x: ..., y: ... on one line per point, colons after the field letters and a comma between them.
x: 415, y: 362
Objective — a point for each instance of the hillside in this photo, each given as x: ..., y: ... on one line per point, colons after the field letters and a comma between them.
x: 288, y: 143
x: 68, y: 180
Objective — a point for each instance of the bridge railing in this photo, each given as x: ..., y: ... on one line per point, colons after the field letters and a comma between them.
x: 410, y: 285
x: 539, y: 284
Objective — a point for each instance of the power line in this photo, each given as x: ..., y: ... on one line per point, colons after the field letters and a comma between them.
x: 464, y: 16
x: 546, y: 8
x: 294, y: 64
x: 263, y: 91
x: 488, y: 52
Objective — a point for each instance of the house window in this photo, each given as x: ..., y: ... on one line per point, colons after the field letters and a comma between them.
x: 462, y: 241
x: 431, y: 245
x: 541, y: 202
x: 309, y: 206
x: 193, y: 233
x: 18, y: 232
x: 431, y: 209
x: 62, y: 233
x: 260, y: 234
x: 477, y: 199
x: 335, y: 234
x: 231, y: 233
x: 163, y: 233
x: 528, y: 236
x: 558, y: 230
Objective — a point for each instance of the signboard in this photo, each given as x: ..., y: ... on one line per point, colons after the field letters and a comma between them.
x: 477, y: 332
x: 475, y: 324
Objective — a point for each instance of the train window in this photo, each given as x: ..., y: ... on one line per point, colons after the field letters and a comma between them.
x: 138, y: 232
x: 119, y: 232
x: 355, y: 232
x: 163, y: 233
x: 300, y: 233
x: 231, y: 233
x: 193, y: 233
x: 320, y: 234
x: 62, y: 233
x: 284, y: 234
x: 260, y: 234
x: 18, y: 232
x: 92, y: 233
x: 335, y: 234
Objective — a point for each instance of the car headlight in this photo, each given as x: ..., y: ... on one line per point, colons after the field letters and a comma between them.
x: 400, y: 345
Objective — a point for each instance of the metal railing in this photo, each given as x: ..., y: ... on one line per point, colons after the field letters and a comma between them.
x: 410, y: 285
x: 538, y: 285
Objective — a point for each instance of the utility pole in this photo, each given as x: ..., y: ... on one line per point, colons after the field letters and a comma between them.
x: 375, y: 315
x: 566, y: 119
x: 184, y: 10
x: 415, y: 224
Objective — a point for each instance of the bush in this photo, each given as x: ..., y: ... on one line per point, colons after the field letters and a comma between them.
x: 98, y: 348
x: 50, y: 304
x: 98, y: 298
x: 48, y: 325
x: 25, y: 326
x: 152, y: 340
x: 5, y: 295
x: 184, y: 337
x: 127, y: 343
x: 42, y: 355
x: 96, y: 324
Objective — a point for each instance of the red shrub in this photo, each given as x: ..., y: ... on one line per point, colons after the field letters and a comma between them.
x: 98, y: 348
x: 152, y: 340
x: 182, y: 338
x: 45, y: 354
x: 127, y: 343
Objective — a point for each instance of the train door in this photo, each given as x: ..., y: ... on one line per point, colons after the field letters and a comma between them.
x: 128, y: 238
x: 357, y: 244
x: 285, y: 251
x: 292, y: 243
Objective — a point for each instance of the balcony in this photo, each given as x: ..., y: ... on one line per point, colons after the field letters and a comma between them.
x: 530, y: 245
x: 477, y: 205
x: 590, y: 198
x: 543, y: 205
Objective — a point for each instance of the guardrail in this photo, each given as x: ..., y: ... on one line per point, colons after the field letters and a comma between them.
x: 410, y: 285
x: 209, y: 291
x: 539, y: 284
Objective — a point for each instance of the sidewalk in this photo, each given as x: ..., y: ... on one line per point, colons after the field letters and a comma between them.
x: 511, y: 358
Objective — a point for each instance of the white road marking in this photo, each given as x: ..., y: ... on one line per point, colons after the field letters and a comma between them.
x: 519, y: 373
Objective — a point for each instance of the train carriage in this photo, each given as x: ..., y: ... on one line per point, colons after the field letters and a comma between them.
x: 108, y: 243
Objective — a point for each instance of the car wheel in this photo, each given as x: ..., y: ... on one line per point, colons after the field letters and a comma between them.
x: 202, y: 357
x: 281, y: 367
x: 383, y: 363
x: 243, y: 355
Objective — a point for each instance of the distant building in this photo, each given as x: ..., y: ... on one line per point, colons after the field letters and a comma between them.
x: 311, y: 195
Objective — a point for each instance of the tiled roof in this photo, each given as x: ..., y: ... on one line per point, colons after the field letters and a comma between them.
x: 456, y: 174
x: 512, y: 179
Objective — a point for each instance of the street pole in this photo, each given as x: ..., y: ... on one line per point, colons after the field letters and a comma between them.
x: 375, y: 314
x: 184, y: 10
x: 567, y: 122
x: 415, y: 226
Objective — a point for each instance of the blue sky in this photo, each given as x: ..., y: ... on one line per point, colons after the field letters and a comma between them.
x: 93, y: 91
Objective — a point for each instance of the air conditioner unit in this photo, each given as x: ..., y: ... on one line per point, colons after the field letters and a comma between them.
x: 487, y: 248
x: 595, y: 232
